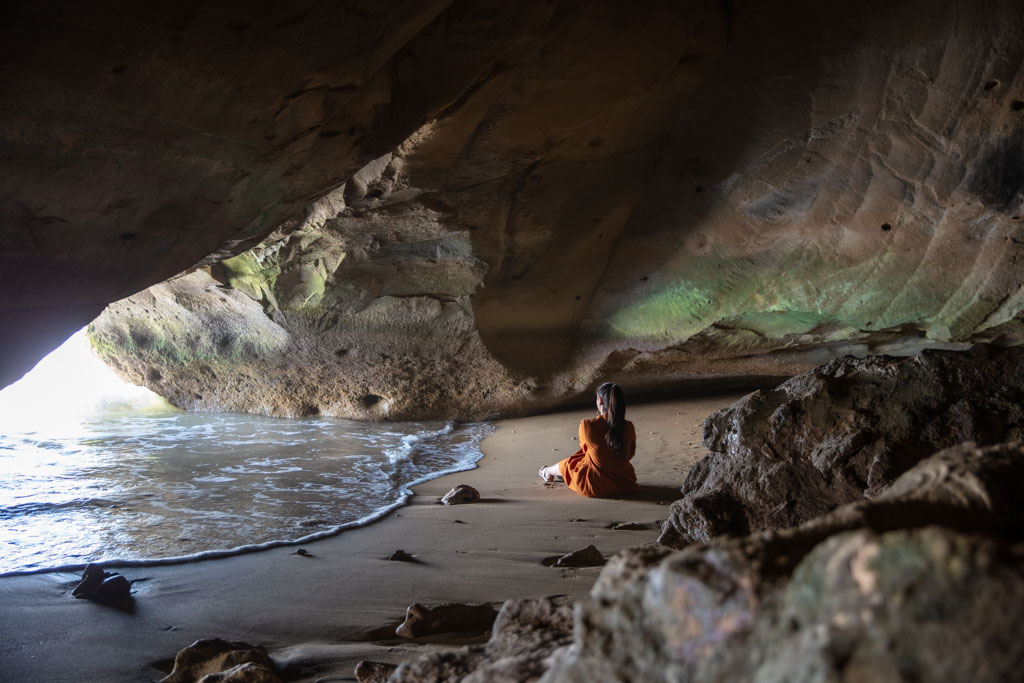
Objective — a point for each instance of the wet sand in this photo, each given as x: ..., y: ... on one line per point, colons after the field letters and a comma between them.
x: 314, y: 613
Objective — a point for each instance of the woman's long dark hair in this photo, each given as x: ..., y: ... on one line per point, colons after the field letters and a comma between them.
x: 614, y: 416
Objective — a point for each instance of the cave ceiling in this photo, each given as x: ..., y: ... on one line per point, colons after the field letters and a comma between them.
x: 543, y: 192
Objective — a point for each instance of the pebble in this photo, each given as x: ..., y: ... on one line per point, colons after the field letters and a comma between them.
x: 461, y: 495
x: 401, y: 556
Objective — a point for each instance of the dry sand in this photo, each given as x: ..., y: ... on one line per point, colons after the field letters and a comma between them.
x: 312, y: 613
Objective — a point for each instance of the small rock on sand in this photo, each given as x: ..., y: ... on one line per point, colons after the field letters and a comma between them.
x: 401, y: 556
x: 587, y: 557
x: 461, y: 495
x: 102, y: 586
x: 422, y: 620
x: 626, y: 526
x: 224, y: 659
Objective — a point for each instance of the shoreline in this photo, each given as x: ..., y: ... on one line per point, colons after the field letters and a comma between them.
x: 315, y: 613
x: 405, y: 493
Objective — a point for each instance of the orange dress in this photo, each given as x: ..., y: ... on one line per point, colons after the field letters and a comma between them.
x: 593, y: 470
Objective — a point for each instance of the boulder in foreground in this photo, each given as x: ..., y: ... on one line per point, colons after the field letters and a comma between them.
x: 840, y: 433
x: 927, y: 604
x: 924, y: 582
x: 524, y: 635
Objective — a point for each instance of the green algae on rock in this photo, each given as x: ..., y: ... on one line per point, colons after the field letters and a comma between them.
x: 642, y: 222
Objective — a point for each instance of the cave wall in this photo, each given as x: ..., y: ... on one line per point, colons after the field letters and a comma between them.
x: 535, y: 195
x: 139, y: 139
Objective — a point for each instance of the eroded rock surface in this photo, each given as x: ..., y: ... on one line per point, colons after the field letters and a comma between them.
x: 873, y: 591
x: 214, y: 660
x: 524, y: 635
x: 374, y: 672
x: 249, y: 672
x: 839, y: 433
x: 450, y: 617
x: 827, y: 600
x: 207, y: 347
x: 140, y: 139
x: 512, y: 202
x: 928, y: 604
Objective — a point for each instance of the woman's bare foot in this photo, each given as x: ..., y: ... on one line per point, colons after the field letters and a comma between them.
x: 550, y: 473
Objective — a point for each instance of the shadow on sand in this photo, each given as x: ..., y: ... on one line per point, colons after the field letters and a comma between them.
x: 654, y: 494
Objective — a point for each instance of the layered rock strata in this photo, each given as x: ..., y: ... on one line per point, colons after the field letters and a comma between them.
x: 139, y: 139
x: 329, y: 320
x: 840, y: 433
x: 555, y: 192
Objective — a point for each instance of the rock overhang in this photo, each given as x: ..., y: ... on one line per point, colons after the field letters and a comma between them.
x: 650, y: 195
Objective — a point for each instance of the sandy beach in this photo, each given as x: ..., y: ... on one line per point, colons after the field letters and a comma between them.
x: 315, y: 613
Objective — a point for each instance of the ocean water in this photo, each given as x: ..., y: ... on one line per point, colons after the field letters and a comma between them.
x: 128, y: 478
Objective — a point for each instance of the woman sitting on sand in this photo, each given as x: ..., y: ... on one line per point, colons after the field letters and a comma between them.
x: 607, y: 443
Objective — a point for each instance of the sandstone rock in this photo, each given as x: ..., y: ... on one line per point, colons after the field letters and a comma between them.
x: 964, y: 488
x: 374, y: 672
x: 461, y: 495
x: 452, y: 617
x: 842, y: 432
x: 926, y: 604
x: 217, y: 656
x: 258, y: 135
x: 585, y: 557
x: 824, y: 600
x: 422, y: 241
x: 102, y: 586
x: 249, y: 672
x: 524, y: 636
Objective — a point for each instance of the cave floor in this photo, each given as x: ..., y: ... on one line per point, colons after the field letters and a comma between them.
x: 315, y: 613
